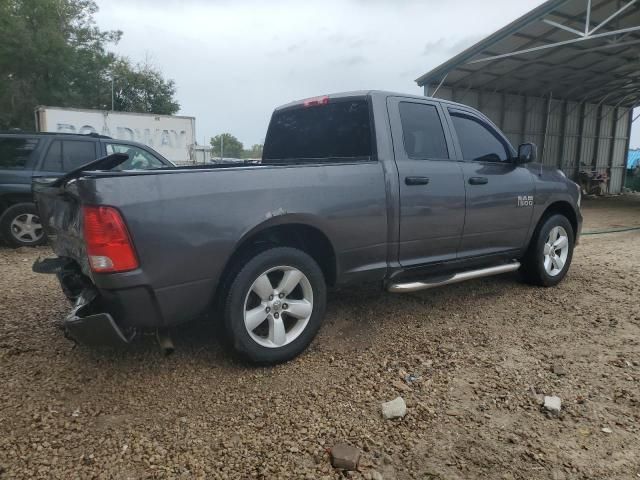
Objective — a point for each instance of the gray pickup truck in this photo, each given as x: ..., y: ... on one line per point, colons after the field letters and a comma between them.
x: 404, y: 191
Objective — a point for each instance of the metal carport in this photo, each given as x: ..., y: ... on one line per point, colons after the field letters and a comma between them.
x: 566, y: 76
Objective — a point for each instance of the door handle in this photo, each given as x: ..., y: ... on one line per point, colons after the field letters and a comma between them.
x: 416, y: 180
x: 478, y: 181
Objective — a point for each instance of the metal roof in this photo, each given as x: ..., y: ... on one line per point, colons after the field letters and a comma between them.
x: 580, y: 50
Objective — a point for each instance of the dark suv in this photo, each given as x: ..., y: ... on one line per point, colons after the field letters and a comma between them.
x: 23, y: 155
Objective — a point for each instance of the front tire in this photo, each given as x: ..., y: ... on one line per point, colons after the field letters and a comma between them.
x: 275, y: 305
x: 20, y: 226
x: 550, y: 253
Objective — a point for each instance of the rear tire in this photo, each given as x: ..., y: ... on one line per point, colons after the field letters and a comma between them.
x: 549, y: 256
x: 20, y: 226
x: 274, y: 305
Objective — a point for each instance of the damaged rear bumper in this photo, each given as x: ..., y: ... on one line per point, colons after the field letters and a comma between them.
x: 85, y: 324
x: 110, y: 309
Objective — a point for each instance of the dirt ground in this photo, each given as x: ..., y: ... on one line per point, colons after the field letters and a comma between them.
x: 483, y: 353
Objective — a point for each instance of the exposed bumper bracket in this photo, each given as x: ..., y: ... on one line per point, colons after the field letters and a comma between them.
x: 96, y: 329
x: 51, y: 265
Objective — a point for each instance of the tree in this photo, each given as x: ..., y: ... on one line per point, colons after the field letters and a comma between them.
x: 52, y: 53
x: 254, y: 152
x: 231, y: 147
x: 141, y: 88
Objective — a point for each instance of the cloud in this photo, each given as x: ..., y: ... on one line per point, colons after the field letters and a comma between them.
x: 351, y: 61
x: 451, y: 46
x: 233, y: 62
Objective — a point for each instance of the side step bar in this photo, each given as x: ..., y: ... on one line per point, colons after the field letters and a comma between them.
x: 453, y: 278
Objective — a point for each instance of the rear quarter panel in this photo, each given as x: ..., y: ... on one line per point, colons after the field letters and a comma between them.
x: 185, y: 225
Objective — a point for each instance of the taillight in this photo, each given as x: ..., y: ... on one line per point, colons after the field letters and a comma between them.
x: 315, y: 101
x: 109, y: 246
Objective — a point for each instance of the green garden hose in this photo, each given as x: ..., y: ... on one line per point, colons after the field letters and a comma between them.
x: 616, y: 230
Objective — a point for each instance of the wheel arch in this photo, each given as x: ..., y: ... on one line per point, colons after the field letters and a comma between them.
x: 11, y: 199
x: 294, y: 231
x: 564, y: 208
x: 561, y: 207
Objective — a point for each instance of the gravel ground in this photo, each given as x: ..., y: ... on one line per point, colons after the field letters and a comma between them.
x: 483, y: 352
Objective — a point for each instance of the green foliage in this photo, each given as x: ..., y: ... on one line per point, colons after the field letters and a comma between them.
x: 254, y: 152
x: 141, y: 88
x: 52, y: 53
x: 231, y: 147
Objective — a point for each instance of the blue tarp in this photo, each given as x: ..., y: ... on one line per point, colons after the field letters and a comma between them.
x: 633, y: 158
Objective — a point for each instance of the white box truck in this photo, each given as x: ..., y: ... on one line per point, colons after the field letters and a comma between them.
x: 172, y: 136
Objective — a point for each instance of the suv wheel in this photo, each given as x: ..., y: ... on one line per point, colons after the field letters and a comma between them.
x: 549, y: 256
x: 20, y: 226
x: 275, y: 305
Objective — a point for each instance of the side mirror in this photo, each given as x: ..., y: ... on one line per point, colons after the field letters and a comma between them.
x: 527, y: 153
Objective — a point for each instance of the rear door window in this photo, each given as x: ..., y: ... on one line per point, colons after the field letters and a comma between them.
x: 65, y: 155
x: 139, y: 159
x: 53, y: 158
x: 478, y: 142
x: 15, y: 153
x: 335, y: 131
x: 422, y: 131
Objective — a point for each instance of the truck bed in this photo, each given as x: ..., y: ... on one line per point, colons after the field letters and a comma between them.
x: 186, y: 222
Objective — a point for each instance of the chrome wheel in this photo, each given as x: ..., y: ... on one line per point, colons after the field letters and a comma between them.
x: 278, y: 306
x: 27, y: 228
x: 556, y: 250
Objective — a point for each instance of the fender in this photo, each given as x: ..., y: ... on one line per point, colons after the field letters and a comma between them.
x: 279, y: 218
x: 551, y: 186
x: 564, y: 199
x: 282, y: 217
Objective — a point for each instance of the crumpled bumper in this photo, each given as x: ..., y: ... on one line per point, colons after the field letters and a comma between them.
x: 110, y: 308
x: 86, y: 325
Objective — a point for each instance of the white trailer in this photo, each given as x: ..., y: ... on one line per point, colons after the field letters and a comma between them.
x: 172, y: 136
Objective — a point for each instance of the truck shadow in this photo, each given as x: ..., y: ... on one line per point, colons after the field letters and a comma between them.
x: 357, y: 318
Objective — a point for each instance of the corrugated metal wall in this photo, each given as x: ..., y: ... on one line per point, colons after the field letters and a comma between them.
x: 569, y: 135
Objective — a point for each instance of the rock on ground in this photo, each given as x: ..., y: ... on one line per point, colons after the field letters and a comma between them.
x: 396, y: 408
x: 552, y: 404
x: 345, y: 456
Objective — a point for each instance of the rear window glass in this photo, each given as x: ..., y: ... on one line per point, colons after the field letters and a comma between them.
x: 335, y: 131
x: 16, y: 152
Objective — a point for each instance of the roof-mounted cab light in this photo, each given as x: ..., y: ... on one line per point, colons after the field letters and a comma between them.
x: 315, y: 101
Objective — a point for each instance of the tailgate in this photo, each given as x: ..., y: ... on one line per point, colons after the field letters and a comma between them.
x: 60, y: 213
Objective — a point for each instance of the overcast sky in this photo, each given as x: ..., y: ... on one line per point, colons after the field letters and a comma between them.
x: 234, y: 61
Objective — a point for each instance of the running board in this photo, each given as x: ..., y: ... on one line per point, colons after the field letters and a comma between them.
x: 454, y: 278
